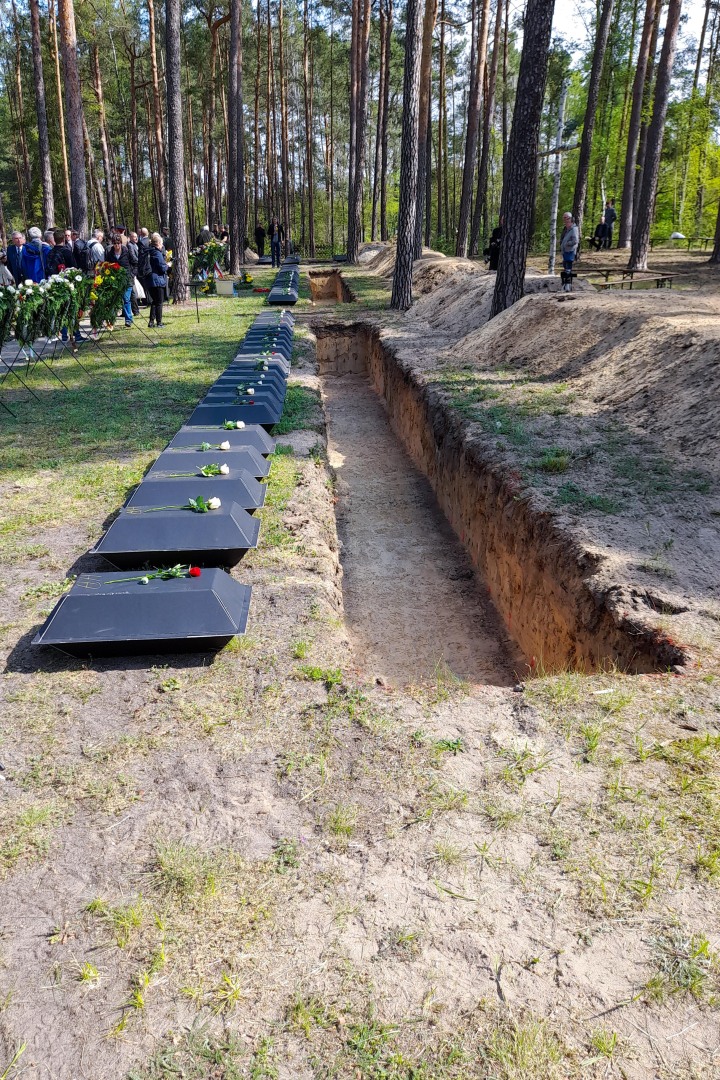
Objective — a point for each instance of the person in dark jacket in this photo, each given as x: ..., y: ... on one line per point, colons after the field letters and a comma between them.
x: 33, y: 265
x: 120, y: 253
x: 81, y: 251
x: 260, y: 235
x: 157, y: 279
x: 204, y: 236
x: 610, y: 219
x: 600, y: 235
x: 15, y: 254
x: 60, y: 257
x: 492, y: 251
x: 277, y: 235
x: 143, y: 272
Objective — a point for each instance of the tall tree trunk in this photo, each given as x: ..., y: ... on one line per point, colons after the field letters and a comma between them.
x: 176, y: 151
x: 442, y: 129
x: 626, y: 207
x: 402, y: 276
x: 192, y: 207
x: 480, y: 213
x: 256, y: 118
x: 235, y: 134
x: 581, y: 181
x: 355, y: 191
x: 519, y: 180
x: 687, y: 147
x: 709, y: 84
x: 651, y: 170
x: 55, y: 50
x: 471, y: 140
x: 309, y: 155
x: 284, y: 129
x: 27, y: 174
x: 48, y: 199
x: 95, y: 184
x: 102, y: 125
x: 557, y: 170
x: 73, y: 99
x: 160, y: 155
x: 384, y: 127
x: 648, y: 91
x: 431, y: 7
x: 134, y: 145
x: 331, y: 147
x: 378, y: 128
x: 428, y: 180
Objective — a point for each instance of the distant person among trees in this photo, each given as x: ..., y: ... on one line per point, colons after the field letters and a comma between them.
x: 600, y: 235
x: 48, y: 244
x: 15, y: 254
x: 492, y: 251
x: 569, y: 244
x: 120, y: 253
x: 156, y: 279
x: 610, y: 215
x: 6, y: 277
x: 277, y: 235
x: 33, y: 267
x: 143, y: 247
x: 204, y: 236
x: 260, y: 235
x: 81, y: 251
x: 60, y: 256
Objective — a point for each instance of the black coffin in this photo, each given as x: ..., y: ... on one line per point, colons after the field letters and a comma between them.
x: 238, y: 487
x: 262, y: 413
x: 246, y: 367
x: 254, y: 359
x: 252, y: 435
x: 244, y: 457
x: 236, y: 376
x: 282, y: 297
x: 228, y: 392
x: 115, y: 615
x: 219, y: 538
x: 259, y: 350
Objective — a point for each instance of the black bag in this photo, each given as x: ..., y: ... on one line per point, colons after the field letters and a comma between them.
x: 81, y: 251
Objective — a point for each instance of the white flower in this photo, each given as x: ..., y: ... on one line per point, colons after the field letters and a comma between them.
x: 144, y: 580
x: 11, y: 289
x: 250, y: 390
x: 71, y: 288
x: 224, y: 470
x: 29, y: 282
x: 41, y: 288
x: 240, y: 424
x: 214, y: 503
x: 224, y: 445
x: 78, y: 277
x: 265, y: 367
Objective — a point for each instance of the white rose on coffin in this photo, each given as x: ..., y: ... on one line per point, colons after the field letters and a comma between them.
x: 224, y: 445
x: 214, y: 503
x: 224, y: 470
x: 240, y: 424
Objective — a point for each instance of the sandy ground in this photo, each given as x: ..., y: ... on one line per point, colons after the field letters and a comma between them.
x: 399, y: 557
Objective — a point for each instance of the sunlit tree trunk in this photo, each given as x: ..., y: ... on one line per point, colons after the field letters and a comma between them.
x: 73, y: 100
x: 480, y: 213
x: 55, y: 52
x: 429, y: 19
x: 646, y: 204
x: 519, y: 179
x: 471, y: 140
x: 626, y: 206
x: 384, y: 127
x: 160, y: 156
x: 402, y: 276
x: 176, y: 152
x: 581, y: 181
x: 48, y: 199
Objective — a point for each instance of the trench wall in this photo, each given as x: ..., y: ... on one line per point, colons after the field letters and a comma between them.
x: 539, y: 578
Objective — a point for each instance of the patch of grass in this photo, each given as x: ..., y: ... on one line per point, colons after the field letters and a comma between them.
x: 122, y: 920
x: 555, y: 460
x: 48, y: 590
x: 226, y: 995
x: 284, y: 478
x: 300, y: 649
x: 524, y: 1050
x: 300, y: 410
x: 329, y: 676
x: 25, y: 833
x: 571, y: 495
x: 88, y: 974
x: 287, y: 854
x: 342, y: 820
x: 685, y: 964
x: 449, y: 746
x: 195, y: 1055
x: 604, y: 1042
x: 184, y: 871
x: 306, y: 1014
x: 522, y: 763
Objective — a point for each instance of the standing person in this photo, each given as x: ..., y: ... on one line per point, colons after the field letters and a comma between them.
x: 33, y: 264
x: 15, y: 254
x: 600, y: 235
x: 260, y: 235
x: 96, y: 249
x: 120, y: 253
x: 167, y: 238
x: 81, y: 251
x: 493, y: 248
x: 157, y: 279
x: 610, y: 219
x: 204, y: 236
x: 60, y: 256
x: 277, y: 235
x: 569, y: 244
x: 6, y: 277
x: 48, y: 244
x: 132, y: 244
x: 143, y: 246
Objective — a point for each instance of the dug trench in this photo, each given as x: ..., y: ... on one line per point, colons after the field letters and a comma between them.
x: 328, y: 287
x: 443, y: 559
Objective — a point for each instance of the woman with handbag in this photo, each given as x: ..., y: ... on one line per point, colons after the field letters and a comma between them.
x: 157, y: 279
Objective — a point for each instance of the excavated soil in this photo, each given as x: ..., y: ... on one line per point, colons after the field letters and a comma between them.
x: 327, y: 287
x: 412, y: 603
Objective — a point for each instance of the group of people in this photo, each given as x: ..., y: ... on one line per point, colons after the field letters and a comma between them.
x: 603, y: 235
x: 40, y: 255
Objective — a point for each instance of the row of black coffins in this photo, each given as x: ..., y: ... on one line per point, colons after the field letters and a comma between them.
x: 286, y: 286
x: 192, y: 516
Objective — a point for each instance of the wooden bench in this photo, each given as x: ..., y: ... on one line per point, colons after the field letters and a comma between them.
x: 662, y: 281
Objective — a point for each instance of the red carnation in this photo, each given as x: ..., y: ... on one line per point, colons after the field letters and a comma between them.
x: 115, y: 266
x: 194, y: 571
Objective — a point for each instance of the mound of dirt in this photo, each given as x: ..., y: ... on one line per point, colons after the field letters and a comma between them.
x: 647, y: 360
x: 383, y: 262
x: 370, y: 251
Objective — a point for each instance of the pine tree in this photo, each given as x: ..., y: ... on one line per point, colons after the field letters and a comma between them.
x: 402, y: 276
